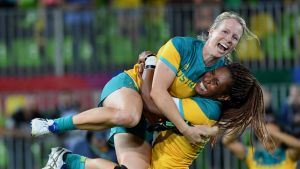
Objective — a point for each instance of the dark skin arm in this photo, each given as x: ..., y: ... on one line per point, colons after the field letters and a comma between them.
x: 150, y: 109
x: 145, y: 92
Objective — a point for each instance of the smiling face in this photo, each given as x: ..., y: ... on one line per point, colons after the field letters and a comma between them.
x: 224, y: 38
x: 215, y: 84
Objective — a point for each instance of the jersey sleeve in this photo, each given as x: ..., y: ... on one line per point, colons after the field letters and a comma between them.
x: 170, y: 55
x: 198, y: 110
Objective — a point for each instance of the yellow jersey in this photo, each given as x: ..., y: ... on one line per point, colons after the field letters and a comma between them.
x: 263, y: 160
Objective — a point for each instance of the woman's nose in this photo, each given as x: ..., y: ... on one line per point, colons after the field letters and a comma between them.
x: 228, y: 39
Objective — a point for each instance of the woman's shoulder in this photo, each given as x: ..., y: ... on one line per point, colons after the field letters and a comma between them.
x: 186, y: 41
x: 212, y: 108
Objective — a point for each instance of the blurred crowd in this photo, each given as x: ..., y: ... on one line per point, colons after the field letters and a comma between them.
x: 15, y: 132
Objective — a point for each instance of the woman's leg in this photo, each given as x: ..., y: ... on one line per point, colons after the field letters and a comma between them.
x: 63, y: 158
x: 132, y: 151
x: 123, y: 107
x: 99, y: 163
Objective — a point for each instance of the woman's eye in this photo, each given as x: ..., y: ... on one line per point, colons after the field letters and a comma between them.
x: 216, y: 82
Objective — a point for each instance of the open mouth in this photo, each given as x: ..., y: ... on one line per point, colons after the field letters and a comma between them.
x: 223, y: 47
x: 202, y: 87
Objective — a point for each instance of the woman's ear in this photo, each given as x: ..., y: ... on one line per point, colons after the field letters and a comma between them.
x: 224, y: 98
x: 209, y: 33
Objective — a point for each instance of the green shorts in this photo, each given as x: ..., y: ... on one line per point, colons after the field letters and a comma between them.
x: 139, y: 130
x: 117, y: 82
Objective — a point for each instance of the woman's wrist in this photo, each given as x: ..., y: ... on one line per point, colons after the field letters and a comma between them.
x: 183, y: 129
x: 150, y: 62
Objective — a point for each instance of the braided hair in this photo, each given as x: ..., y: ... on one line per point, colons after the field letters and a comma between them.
x: 245, y: 106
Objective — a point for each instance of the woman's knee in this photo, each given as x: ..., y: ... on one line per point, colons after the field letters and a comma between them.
x: 129, y: 106
x: 128, y: 119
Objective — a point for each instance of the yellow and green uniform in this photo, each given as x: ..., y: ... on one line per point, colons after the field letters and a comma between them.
x: 171, y: 150
x: 261, y: 159
x: 197, y: 110
x: 183, y: 55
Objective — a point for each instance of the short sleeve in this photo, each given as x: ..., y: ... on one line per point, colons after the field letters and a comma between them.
x: 199, y: 111
x: 169, y: 55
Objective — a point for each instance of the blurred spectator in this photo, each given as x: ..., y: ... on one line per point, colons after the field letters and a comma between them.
x: 128, y: 16
x: 79, y: 13
x: 47, y: 15
x: 79, y: 17
x: 20, y: 144
x: 204, y: 14
x: 285, y: 155
x: 156, y: 28
x: 8, y: 22
x: 94, y: 145
x: 179, y: 12
x: 270, y: 112
x: 22, y: 117
x: 68, y: 106
x: 290, y: 113
x: 44, y: 26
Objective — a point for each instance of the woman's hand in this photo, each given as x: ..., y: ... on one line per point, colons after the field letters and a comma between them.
x: 141, y: 61
x: 200, y: 133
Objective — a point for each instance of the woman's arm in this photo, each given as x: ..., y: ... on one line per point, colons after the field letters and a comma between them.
x: 236, y: 147
x: 146, y: 68
x: 151, y: 112
x: 285, y: 138
x: 162, y: 80
x: 292, y: 142
x: 146, y: 85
